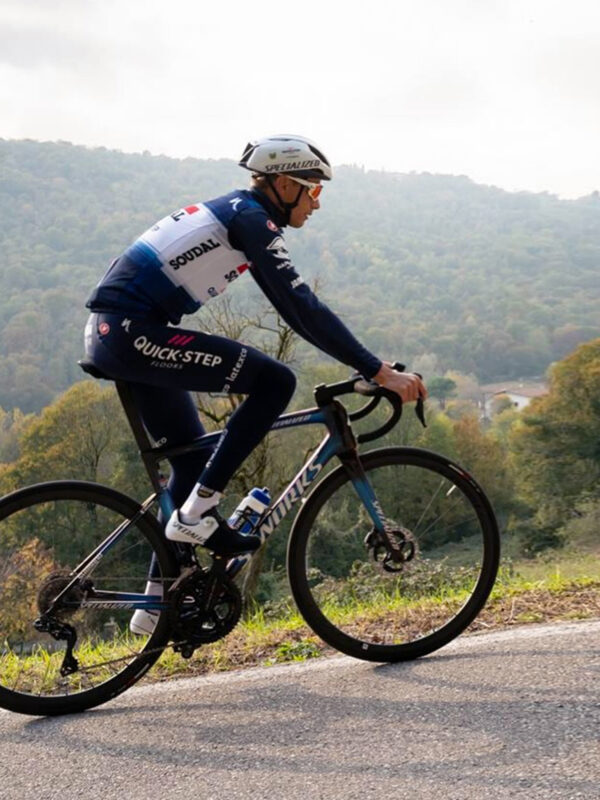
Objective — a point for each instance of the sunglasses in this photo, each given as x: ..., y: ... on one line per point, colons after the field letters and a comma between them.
x: 313, y: 190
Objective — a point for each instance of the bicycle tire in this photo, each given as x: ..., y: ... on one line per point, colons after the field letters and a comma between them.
x: 434, y: 598
x: 58, y: 512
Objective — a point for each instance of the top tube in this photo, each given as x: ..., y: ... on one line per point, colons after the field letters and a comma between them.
x: 307, y: 416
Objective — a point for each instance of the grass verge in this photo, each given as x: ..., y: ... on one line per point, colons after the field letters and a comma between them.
x: 518, y: 598
x: 532, y: 592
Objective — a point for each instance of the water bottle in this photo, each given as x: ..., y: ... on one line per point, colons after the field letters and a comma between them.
x: 249, y: 511
x: 244, y: 518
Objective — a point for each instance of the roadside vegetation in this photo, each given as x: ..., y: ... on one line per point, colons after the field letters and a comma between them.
x: 553, y: 588
x: 541, y: 468
x: 443, y: 273
x: 557, y: 587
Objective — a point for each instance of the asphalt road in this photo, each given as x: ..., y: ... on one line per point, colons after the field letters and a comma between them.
x: 514, y: 714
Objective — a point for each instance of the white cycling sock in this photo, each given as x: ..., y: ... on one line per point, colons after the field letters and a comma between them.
x: 153, y: 587
x: 200, y: 500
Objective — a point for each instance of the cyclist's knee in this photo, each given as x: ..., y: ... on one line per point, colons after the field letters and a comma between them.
x: 284, y: 380
x: 277, y: 379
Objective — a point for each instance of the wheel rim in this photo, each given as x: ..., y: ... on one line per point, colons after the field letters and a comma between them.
x: 48, y: 538
x: 436, y: 592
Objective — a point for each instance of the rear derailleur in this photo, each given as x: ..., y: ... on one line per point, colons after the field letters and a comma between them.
x: 54, y: 586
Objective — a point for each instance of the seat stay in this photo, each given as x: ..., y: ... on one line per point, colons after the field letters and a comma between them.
x: 90, y: 562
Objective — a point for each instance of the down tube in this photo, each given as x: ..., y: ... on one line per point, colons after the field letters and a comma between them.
x: 298, y: 486
x: 291, y: 494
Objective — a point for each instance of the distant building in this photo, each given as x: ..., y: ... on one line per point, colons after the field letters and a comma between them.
x: 520, y: 393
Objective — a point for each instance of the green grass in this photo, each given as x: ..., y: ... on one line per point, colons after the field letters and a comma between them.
x: 560, y: 585
x: 557, y: 586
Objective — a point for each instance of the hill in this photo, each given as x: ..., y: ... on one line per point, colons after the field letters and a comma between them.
x: 485, y: 281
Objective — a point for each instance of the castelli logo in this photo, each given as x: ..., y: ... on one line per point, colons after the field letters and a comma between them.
x: 271, y: 225
x: 104, y: 328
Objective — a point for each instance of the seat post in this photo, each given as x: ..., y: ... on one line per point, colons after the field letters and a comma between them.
x: 139, y: 431
x: 133, y: 417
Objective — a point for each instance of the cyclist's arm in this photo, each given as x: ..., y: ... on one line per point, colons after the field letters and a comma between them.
x: 272, y: 270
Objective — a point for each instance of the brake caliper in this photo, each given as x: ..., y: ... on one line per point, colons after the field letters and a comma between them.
x: 391, y: 553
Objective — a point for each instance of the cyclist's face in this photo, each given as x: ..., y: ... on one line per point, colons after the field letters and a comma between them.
x: 304, y: 208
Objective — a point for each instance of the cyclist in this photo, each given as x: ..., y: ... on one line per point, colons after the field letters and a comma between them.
x: 174, y: 268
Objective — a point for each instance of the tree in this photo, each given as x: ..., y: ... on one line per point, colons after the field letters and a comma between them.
x: 555, y: 445
x: 12, y: 426
x: 441, y: 389
x: 485, y: 458
x: 500, y: 403
x: 22, y: 571
x: 77, y: 436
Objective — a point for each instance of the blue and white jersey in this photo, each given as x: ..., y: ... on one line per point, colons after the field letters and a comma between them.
x: 192, y: 255
x: 176, y: 265
x: 179, y: 245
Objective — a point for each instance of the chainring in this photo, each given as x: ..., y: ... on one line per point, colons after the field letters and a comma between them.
x: 190, y: 618
x: 54, y: 584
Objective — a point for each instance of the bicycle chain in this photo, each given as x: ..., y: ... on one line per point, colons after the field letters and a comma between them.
x: 191, y: 583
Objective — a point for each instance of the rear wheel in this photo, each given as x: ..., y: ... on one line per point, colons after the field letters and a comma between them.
x: 338, y: 565
x: 46, y: 531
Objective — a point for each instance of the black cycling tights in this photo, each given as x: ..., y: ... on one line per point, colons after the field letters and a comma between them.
x: 164, y: 364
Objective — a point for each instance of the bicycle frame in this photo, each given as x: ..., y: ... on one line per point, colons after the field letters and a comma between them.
x: 339, y: 441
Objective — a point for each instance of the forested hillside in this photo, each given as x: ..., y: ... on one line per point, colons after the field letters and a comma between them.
x: 486, y: 281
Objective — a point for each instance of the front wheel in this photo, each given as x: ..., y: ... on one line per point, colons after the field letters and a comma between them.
x: 46, y: 531
x: 339, y: 574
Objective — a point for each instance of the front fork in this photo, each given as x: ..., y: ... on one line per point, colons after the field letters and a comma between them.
x: 348, y: 454
x: 353, y: 466
x: 389, y: 543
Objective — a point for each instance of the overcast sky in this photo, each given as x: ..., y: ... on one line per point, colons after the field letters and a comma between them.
x: 504, y: 91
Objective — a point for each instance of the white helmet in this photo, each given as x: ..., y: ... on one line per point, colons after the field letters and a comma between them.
x: 286, y: 154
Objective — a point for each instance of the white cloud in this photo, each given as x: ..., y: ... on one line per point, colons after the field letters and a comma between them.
x: 506, y: 92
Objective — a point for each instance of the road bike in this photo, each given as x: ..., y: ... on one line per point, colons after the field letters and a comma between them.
x: 391, y: 555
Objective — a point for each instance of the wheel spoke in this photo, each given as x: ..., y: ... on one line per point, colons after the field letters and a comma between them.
x: 392, y: 610
x: 429, y: 504
x: 434, y: 522
x: 69, y: 521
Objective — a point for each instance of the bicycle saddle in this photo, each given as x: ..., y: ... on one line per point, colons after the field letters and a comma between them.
x: 92, y: 369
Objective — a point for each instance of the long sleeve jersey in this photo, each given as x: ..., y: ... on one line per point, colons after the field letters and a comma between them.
x: 193, y: 255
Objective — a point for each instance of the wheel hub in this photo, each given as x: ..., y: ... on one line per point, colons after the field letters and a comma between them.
x: 54, y: 584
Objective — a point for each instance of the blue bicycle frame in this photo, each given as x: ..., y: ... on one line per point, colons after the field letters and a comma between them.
x: 339, y: 441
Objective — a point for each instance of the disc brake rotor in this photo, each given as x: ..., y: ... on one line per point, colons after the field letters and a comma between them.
x: 392, y: 559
